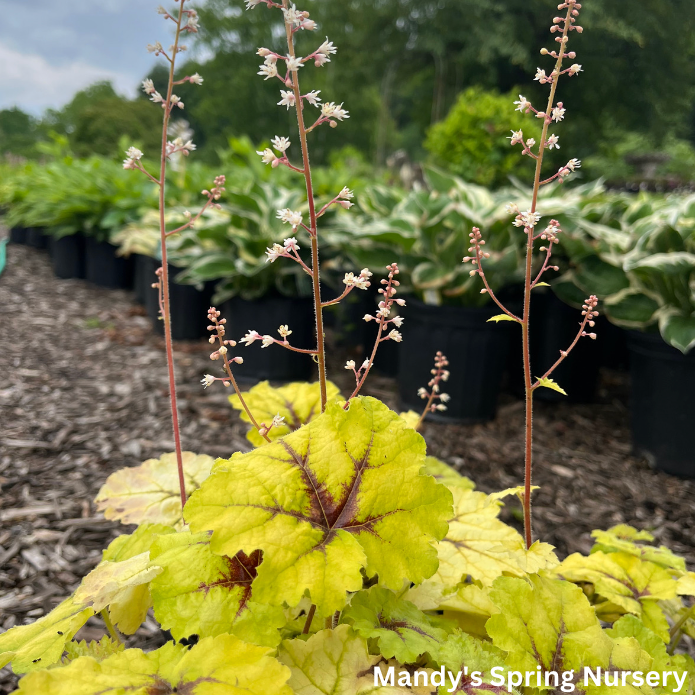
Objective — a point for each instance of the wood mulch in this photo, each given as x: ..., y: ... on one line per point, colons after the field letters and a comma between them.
x: 84, y: 392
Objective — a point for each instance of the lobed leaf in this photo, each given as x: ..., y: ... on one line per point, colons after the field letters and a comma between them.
x: 150, y: 492
x: 222, y: 665
x: 551, y: 384
x: 299, y: 403
x: 445, y: 474
x: 341, y: 494
x: 97, y: 649
x: 205, y: 594
x: 401, y: 630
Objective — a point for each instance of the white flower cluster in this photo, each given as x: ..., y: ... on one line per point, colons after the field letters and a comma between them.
x: 291, y: 217
x: 277, y: 251
x: 527, y: 219
x: 134, y: 155
x: 361, y: 281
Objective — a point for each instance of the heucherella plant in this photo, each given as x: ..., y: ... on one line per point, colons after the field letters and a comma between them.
x: 337, y: 557
x: 529, y: 220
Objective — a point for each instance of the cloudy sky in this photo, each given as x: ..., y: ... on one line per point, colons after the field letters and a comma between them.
x: 49, y: 49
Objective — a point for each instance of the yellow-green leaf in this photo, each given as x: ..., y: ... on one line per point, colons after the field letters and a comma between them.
x: 299, y: 403
x: 502, y: 317
x: 150, y: 492
x: 340, y: 494
x: 97, y: 649
x: 401, y: 630
x: 519, y: 491
x: 411, y: 418
x: 140, y: 541
x: 222, y: 665
x: 207, y: 595
x: 550, y: 384
x: 445, y: 474
x: 41, y: 644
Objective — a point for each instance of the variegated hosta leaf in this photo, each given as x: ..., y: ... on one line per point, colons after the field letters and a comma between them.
x: 41, y: 644
x: 626, y: 539
x: 340, y: 494
x: 97, y: 649
x: 222, y: 665
x: 463, y: 654
x: 207, y: 595
x: 550, y: 623
x: 150, y: 492
x: 481, y: 546
x: 445, y: 474
x: 129, y: 609
x: 333, y: 662
x: 298, y: 403
x: 625, y: 581
x: 401, y: 630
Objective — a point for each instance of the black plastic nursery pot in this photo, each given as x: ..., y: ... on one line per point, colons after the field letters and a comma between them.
x: 68, y: 256
x: 144, y: 268
x: 36, y: 238
x: 18, y: 235
x: 266, y: 315
x: 104, y: 268
x: 554, y: 326
x: 476, y: 350
x: 663, y: 403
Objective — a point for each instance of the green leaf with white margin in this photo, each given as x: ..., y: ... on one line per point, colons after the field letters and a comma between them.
x: 207, y: 595
x: 222, y: 665
x: 150, y: 492
x: 299, y: 403
x: 678, y: 331
x: 625, y: 581
x: 461, y: 654
x: 333, y: 662
x: 550, y: 384
x: 445, y: 474
x: 41, y: 644
x: 478, y: 544
x: 626, y: 539
x: 129, y: 611
x: 502, y: 317
x: 631, y: 309
x: 401, y: 630
x: 550, y: 623
x: 340, y: 494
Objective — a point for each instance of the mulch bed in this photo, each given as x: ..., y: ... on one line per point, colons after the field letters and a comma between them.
x: 84, y: 392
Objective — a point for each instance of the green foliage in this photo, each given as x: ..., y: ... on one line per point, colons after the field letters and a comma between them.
x: 472, y: 141
x: 18, y: 133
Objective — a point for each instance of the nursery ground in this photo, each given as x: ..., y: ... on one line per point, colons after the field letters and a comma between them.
x: 84, y: 392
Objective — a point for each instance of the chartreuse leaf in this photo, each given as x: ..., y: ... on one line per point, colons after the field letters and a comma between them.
x: 481, y: 546
x: 464, y: 654
x: 150, y: 492
x: 625, y: 581
x: 470, y: 607
x: 445, y: 474
x: 550, y: 623
x: 340, y: 494
x: 411, y: 418
x: 109, y: 581
x: 222, y: 665
x: 333, y: 662
x: 685, y: 586
x: 97, y: 649
x: 502, y: 317
x: 625, y: 539
x: 298, y: 403
x: 129, y: 609
x: 206, y: 594
x: 548, y: 383
x: 41, y: 644
x: 401, y: 630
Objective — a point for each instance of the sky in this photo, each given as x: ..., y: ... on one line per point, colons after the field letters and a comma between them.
x: 50, y: 49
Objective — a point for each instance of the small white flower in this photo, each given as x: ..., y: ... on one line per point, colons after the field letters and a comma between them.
x: 293, y: 16
x: 251, y: 337
x: 551, y: 142
x: 155, y: 48
x: 349, y: 279
x: 268, y: 69
x: 207, y: 380
x: 156, y: 97
x: 327, y: 48
x: 293, y: 64
x: 278, y: 420
x: 134, y: 153
x: 148, y: 86
x: 280, y: 143
x: 575, y: 69
x: 320, y: 60
x: 267, y: 341
x: 365, y: 364
x: 332, y: 110
x: 397, y: 321
x: 350, y: 365
x: 368, y: 318
x: 422, y: 392
x: 574, y: 164
x: 263, y: 52
x: 308, y: 24
x: 291, y: 243
x: 395, y: 336
x: 284, y: 331
x: 193, y: 23
x: 512, y: 209
x: 517, y: 137
x: 530, y: 143
x: 287, y: 99
x: 290, y: 217
x: 541, y: 76
x: 444, y: 397
x: 250, y: 4
x: 527, y: 219
x: 176, y: 101
x: 346, y: 194
x: 222, y: 350
x: 189, y: 146
x: 268, y: 156
x: 161, y: 10
x: 440, y: 406
x: 274, y: 253
x: 313, y: 97
x: 384, y: 312
x: 523, y: 104
x: 559, y: 113
x: 196, y: 79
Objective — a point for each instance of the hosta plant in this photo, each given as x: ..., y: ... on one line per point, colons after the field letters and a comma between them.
x: 337, y: 557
